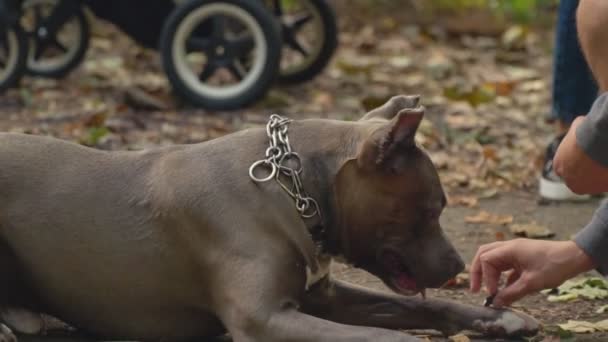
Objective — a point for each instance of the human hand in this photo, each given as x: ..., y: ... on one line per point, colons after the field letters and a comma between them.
x: 533, y: 265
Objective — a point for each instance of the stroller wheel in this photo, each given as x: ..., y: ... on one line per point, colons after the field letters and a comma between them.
x: 13, y: 52
x: 221, y: 54
x: 310, y: 37
x: 55, y: 52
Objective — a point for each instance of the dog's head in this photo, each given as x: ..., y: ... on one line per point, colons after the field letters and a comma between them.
x: 389, y: 199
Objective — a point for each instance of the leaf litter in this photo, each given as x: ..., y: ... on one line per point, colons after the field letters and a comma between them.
x: 489, y: 218
x: 531, y: 230
x: 484, y: 114
x: 591, y: 288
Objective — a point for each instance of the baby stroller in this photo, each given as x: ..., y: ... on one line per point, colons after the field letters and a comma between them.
x: 217, y: 54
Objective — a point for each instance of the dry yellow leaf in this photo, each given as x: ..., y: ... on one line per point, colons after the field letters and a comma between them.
x: 463, y: 200
x: 531, y: 230
x: 460, y: 338
x: 583, y: 327
x: 486, y: 217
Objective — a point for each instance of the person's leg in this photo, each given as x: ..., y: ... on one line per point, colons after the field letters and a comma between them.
x: 574, y: 91
x: 574, y: 87
x: 592, y: 25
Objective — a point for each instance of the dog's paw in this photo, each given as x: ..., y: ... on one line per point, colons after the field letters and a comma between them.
x: 53, y: 325
x: 508, y: 323
x: 23, y: 321
x: 6, y: 335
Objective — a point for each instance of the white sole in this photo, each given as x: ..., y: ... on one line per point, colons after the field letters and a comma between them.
x: 558, y: 191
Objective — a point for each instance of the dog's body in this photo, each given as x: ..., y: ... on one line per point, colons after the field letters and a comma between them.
x: 178, y: 242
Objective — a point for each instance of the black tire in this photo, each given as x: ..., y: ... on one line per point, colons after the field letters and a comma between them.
x: 76, y: 53
x: 267, y: 70
x: 15, y: 47
x: 327, y: 18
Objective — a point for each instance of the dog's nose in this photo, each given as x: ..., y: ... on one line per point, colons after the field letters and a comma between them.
x: 451, y: 265
x: 458, y: 265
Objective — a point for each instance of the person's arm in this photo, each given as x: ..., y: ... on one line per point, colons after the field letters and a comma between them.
x: 582, y: 157
x: 593, y: 239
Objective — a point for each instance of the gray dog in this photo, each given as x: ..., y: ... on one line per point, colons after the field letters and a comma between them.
x: 233, y: 235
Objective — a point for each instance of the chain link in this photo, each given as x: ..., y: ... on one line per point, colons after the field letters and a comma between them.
x: 282, y: 161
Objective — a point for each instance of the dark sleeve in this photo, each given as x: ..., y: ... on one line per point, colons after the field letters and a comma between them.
x: 593, y: 239
x: 592, y: 134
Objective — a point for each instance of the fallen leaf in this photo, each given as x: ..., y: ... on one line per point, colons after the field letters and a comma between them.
x: 463, y: 200
x: 490, y: 153
x: 356, y: 65
x: 94, y: 135
x: 438, y: 65
x: 461, y: 280
x: 602, y: 309
x: 556, y: 334
x: 441, y: 160
x: 366, y: 38
x: 460, y: 338
x: 501, y: 88
x: 460, y: 122
x: 515, y: 37
x: 400, y: 62
x: 488, y: 193
x: 579, y: 327
x: 499, y: 236
x: 486, y: 217
x: 460, y: 179
x: 95, y: 120
x: 274, y: 99
x: 583, y: 327
x: 531, y: 230
x: 583, y: 282
x: 324, y: 99
x: 589, y: 288
x: 603, y: 325
x: 563, y: 298
x: 139, y: 99
x: 534, y: 85
x: 474, y: 95
x: 519, y: 74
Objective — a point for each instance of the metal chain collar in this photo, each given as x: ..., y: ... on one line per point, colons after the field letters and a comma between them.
x: 279, y: 157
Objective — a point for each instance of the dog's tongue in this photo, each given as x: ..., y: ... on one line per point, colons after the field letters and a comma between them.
x: 406, y: 282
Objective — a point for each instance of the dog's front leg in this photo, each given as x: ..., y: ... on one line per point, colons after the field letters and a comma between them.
x: 273, y: 315
x: 349, y: 304
x: 6, y: 334
x: 291, y: 325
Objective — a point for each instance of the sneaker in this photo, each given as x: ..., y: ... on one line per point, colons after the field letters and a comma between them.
x: 551, y: 186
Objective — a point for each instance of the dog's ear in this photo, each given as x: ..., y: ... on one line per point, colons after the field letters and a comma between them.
x: 392, y: 107
x: 386, y: 147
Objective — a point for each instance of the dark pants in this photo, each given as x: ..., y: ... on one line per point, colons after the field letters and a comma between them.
x: 574, y: 88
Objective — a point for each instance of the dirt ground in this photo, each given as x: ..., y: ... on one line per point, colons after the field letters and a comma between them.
x: 487, y: 101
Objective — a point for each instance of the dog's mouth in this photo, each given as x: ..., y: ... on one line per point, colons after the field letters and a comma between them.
x: 399, y: 277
